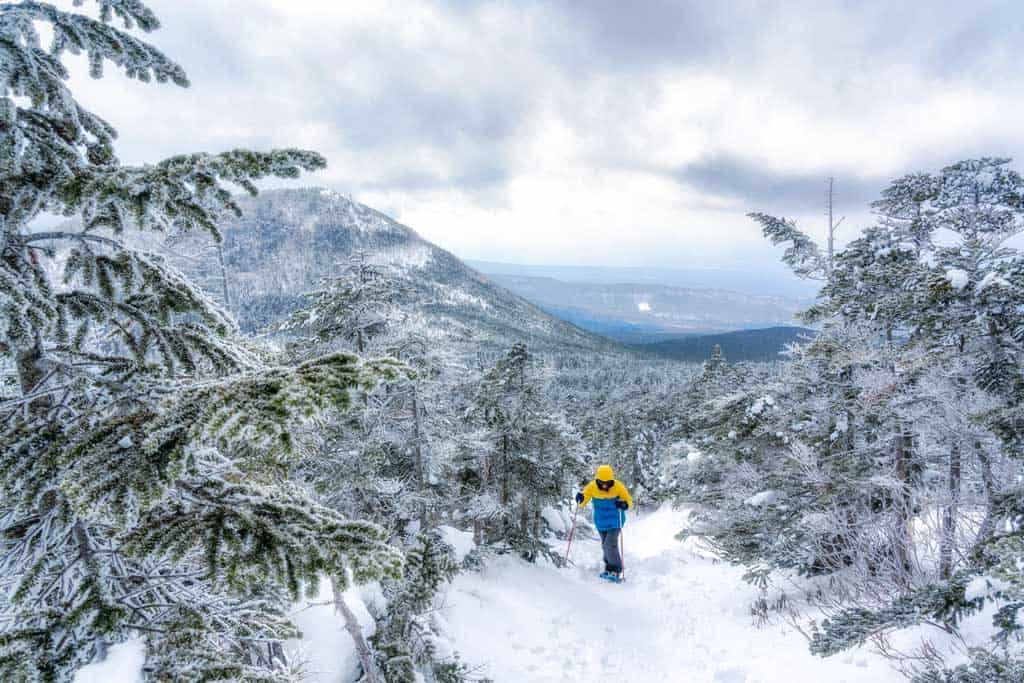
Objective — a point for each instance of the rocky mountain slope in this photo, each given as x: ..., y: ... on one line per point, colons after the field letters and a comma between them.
x: 287, y: 240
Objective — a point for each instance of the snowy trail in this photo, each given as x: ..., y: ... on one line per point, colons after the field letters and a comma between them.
x: 679, y: 617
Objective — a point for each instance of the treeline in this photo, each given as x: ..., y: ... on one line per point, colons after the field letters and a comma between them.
x: 765, y: 344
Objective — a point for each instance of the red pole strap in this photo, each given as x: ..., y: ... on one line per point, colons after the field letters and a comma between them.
x: 572, y: 529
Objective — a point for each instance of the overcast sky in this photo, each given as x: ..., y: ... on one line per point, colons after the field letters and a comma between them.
x: 588, y: 132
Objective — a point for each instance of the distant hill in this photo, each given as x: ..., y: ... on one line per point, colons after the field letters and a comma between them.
x: 770, y: 279
x: 619, y: 330
x: 744, y: 345
x: 640, y: 312
x: 286, y: 240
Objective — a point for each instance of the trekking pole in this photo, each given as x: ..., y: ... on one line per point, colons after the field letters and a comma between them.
x: 622, y: 545
x: 572, y: 529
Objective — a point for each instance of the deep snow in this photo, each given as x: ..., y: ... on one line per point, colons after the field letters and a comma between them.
x: 680, y: 616
x: 326, y: 650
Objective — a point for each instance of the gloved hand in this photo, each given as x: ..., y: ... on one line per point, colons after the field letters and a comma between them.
x: 622, y: 505
x: 579, y: 498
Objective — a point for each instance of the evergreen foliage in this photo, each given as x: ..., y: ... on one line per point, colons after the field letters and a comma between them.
x: 893, y: 425
x: 163, y: 478
x: 406, y: 641
x: 530, y: 455
x: 352, y: 307
x: 144, y: 445
x: 984, y: 667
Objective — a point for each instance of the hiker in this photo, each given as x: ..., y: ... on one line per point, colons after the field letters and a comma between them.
x: 611, y: 500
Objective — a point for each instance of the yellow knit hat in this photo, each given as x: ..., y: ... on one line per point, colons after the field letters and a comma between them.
x: 605, y: 473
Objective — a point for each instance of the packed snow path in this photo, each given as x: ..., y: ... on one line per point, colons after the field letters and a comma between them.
x: 679, y: 617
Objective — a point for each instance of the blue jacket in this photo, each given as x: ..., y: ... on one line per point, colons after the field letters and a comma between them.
x: 606, y: 514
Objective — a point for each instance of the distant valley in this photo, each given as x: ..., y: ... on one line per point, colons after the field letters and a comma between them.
x: 288, y: 239
x: 680, y: 318
x: 766, y: 279
x: 638, y: 313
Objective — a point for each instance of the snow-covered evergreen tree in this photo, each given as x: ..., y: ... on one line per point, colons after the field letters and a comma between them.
x: 899, y: 418
x: 143, y: 450
x: 952, y: 295
x: 349, y: 309
x: 407, y: 644
x: 532, y: 457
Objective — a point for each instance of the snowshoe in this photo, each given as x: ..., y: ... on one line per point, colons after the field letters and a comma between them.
x: 612, y: 577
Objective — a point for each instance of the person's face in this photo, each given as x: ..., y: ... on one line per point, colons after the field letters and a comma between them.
x: 604, y: 484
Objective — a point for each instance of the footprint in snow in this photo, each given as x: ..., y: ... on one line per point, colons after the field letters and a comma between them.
x: 731, y: 675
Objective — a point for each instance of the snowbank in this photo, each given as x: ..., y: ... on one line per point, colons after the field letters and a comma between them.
x: 123, y: 664
x: 461, y: 541
x: 555, y: 519
x: 326, y: 650
x: 957, y: 278
x: 763, y: 498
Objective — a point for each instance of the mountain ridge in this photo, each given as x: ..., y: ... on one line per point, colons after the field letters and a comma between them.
x: 288, y: 239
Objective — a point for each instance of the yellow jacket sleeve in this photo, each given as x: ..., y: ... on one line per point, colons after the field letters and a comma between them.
x: 623, y: 493
x: 588, y: 493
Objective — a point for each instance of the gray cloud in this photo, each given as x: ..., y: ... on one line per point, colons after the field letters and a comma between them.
x: 602, y: 35
x: 646, y: 35
x: 762, y: 189
x: 473, y: 102
x: 301, y: 82
x: 973, y: 40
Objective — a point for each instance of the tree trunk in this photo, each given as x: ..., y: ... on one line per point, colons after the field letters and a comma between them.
x: 223, y: 275
x: 421, y: 465
x: 904, y: 540
x: 31, y: 373
x: 356, y: 632
x: 87, y: 558
x: 989, y: 485
x: 948, y: 541
x: 507, y: 520
x: 276, y: 654
x: 504, y: 469
x: 988, y: 482
x: 479, y: 526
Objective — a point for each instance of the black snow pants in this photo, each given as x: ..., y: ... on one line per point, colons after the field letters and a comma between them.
x: 610, y: 545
